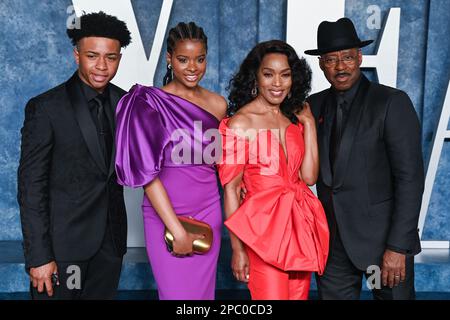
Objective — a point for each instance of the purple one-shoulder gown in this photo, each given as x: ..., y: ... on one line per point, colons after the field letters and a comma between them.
x: 147, y: 118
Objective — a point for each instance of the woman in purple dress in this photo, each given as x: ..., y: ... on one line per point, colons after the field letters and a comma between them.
x: 160, y: 146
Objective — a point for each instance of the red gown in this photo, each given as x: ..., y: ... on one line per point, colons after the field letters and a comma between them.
x: 281, y: 220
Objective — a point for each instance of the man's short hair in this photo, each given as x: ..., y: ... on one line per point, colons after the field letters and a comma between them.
x: 100, y: 24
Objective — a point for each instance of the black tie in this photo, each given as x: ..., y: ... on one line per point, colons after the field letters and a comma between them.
x: 336, y: 130
x: 104, y: 131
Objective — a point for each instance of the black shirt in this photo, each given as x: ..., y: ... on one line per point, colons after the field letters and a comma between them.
x: 341, y: 105
x: 104, y: 131
x: 348, y: 96
x: 90, y: 94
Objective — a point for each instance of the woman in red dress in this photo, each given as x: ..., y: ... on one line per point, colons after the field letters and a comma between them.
x: 279, y: 233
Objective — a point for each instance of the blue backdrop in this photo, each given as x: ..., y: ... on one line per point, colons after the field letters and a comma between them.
x: 36, y: 55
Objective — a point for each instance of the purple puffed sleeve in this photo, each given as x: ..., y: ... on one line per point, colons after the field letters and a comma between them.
x: 140, y: 139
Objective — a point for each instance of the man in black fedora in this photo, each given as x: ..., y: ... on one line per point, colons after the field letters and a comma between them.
x: 72, y: 208
x: 371, y: 173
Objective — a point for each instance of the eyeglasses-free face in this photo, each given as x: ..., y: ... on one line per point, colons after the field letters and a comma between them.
x: 188, y: 61
x: 274, y: 78
x: 98, y: 60
x: 341, y: 68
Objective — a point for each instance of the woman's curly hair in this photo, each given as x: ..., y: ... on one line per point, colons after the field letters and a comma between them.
x: 243, y: 82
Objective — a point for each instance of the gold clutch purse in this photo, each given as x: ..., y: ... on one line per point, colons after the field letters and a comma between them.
x: 194, y: 226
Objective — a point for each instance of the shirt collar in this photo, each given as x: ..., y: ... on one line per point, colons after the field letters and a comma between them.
x: 90, y: 93
x: 349, y: 94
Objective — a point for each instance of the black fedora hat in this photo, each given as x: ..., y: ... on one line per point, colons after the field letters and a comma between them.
x: 335, y: 36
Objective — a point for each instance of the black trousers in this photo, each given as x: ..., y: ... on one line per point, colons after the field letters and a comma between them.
x: 94, y: 279
x: 343, y: 281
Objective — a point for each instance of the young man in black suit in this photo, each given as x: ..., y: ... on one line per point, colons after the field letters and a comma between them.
x: 72, y: 209
x: 371, y: 172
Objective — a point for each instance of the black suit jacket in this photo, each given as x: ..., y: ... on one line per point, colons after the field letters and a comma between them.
x: 375, y: 194
x: 65, y: 192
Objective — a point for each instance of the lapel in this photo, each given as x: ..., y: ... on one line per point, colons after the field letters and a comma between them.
x: 326, y: 113
x: 84, y: 119
x: 348, y: 136
x: 114, y: 98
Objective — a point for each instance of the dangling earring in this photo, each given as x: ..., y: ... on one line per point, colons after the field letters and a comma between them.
x: 254, y: 91
x: 168, y: 77
x: 289, y: 95
x: 169, y: 66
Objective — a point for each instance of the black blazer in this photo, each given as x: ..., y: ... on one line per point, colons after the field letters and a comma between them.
x: 65, y: 192
x: 376, y: 192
